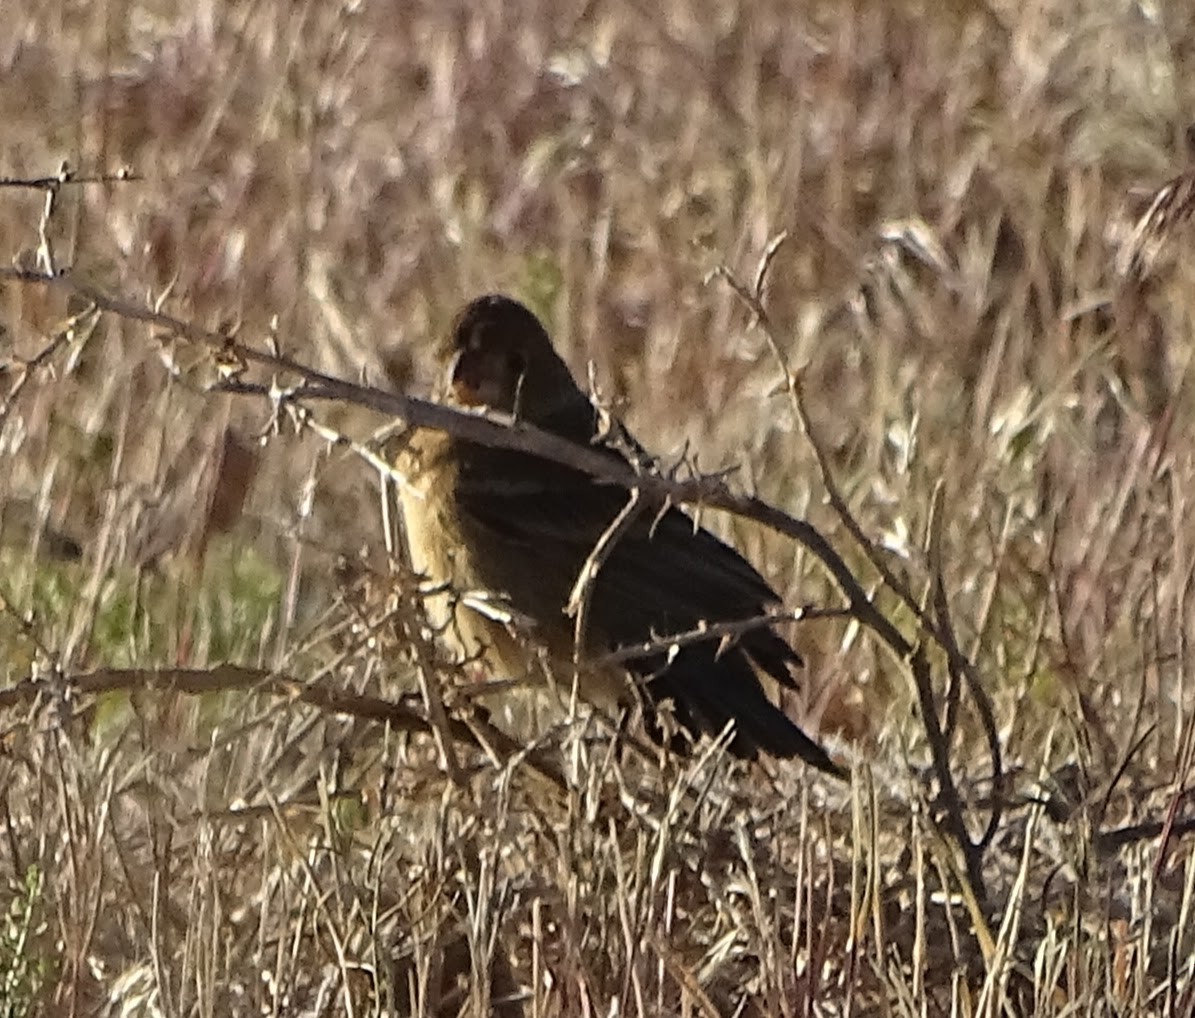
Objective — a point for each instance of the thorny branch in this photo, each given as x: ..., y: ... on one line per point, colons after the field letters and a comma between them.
x: 235, y: 358
x: 398, y: 715
x: 76, y: 328
x: 721, y: 631
x: 937, y: 628
x: 486, y: 428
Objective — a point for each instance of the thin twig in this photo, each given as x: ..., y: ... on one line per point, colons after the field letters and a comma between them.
x: 82, y: 323
x: 67, y: 176
x: 913, y: 657
x: 796, y: 394
x: 493, y: 430
x: 716, y: 631
x: 579, y: 598
x: 324, y: 696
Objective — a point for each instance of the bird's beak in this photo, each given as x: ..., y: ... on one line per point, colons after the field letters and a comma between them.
x: 463, y: 390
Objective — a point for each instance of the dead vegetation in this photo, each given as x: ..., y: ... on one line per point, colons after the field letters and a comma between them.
x: 238, y: 776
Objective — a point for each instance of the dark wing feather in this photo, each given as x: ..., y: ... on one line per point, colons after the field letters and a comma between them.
x: 539, y: 520
x: 664, y: 574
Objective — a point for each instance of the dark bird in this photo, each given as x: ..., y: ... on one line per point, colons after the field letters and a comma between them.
x: 508, y: 532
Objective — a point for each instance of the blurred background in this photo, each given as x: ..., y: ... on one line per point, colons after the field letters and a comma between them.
x: 957, y: 182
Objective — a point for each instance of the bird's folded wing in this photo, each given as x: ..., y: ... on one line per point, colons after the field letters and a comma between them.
x: 663, y: 576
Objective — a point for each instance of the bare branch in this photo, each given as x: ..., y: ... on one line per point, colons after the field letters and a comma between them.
x: 938, y: 629
x: 578, y: 600
x: 500, y: 431
x: 717, y: 631
x: 321, y: 695
x: 77, y: 325
x: 68, y: 176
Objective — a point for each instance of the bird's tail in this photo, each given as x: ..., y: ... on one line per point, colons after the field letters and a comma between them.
x: 707, y: 695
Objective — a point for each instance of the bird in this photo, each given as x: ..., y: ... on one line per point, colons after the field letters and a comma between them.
x: 501, y: 535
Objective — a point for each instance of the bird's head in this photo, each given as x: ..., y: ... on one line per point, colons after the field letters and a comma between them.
x: 500, y: 357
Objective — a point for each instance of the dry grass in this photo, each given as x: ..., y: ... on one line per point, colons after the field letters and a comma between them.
x: 987, y: 293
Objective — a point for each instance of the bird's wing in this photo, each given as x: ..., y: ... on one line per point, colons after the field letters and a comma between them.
x: 664, y: 575
x: 530, y: 524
